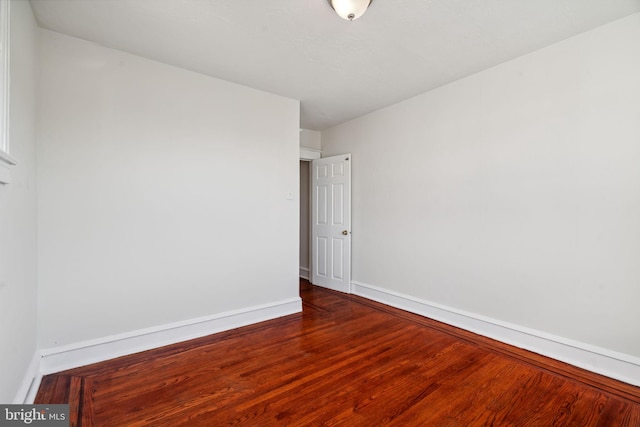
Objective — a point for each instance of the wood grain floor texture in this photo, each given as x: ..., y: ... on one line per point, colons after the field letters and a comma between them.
x: 344, y: 361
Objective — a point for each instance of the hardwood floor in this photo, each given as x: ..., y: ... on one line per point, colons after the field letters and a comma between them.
x: 344, y: 361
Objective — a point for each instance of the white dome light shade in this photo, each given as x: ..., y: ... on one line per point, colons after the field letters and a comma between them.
x: 350, y: 9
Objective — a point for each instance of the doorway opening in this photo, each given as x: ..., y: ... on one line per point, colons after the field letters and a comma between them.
x: 305, y: 219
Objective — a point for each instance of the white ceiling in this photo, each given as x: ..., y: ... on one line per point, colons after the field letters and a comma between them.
x: 339, y: 70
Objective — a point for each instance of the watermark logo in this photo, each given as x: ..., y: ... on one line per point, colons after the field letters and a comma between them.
x: 34, y: 415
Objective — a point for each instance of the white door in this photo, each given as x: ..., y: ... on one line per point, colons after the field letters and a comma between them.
x: 331, y: 222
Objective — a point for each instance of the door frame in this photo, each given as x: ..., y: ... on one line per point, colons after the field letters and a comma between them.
x: 307, y: 155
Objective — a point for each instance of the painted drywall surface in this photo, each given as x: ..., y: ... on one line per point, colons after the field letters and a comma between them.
x: 305, y: 214
x: 310, y: 139
x: 164, y: 195
x: 513, y: 193
x: 18, y: 238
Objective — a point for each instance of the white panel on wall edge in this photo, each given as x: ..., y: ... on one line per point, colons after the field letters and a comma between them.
x: 331, y: 222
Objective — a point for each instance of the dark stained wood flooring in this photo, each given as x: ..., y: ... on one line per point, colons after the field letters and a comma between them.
x: 344, y: 361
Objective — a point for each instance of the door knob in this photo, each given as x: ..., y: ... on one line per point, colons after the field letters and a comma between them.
x: 345, y: 232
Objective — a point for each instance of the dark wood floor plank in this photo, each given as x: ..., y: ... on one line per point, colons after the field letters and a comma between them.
x: 75, y: 399
x: 343, y: 361
x: 54, y: 389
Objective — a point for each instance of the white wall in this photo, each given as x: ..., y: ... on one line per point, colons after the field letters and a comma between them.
x: 310, y: 139
x: 18, y: 301
x: 512, y: 194
x: 163, y: 194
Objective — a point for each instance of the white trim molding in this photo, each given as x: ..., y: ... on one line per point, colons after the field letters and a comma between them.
x: 309, y: 153
x: 305, y: 273
x: 31, y: 382
x: 6, y: 158
x: 622, y: 367
x: 98, y: 350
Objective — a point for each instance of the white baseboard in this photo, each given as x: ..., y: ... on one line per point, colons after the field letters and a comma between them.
x: 98, y: 350
x: 31, y: 382
x: 305, y: 273
x: 619, y: 366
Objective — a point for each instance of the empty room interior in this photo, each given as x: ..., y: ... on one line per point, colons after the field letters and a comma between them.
x: 318, y: 212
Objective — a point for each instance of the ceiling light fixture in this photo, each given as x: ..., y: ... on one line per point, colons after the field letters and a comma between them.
x: 350, y: 9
